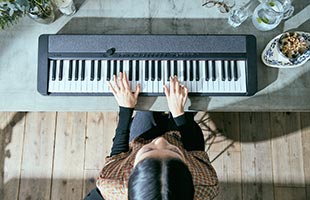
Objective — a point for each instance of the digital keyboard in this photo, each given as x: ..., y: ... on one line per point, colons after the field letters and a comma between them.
x: 213, y: 65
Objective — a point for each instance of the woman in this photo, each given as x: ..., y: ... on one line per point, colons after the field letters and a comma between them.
x: 156, y: 156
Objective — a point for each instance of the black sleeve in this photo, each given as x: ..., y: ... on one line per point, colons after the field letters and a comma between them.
x: 191, y: 133
x: 121, y: 138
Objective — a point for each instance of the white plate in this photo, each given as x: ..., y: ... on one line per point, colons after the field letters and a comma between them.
x: 272, y: 57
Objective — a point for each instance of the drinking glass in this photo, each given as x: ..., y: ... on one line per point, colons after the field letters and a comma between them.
x: 269, y: 14
x: 67, y: 7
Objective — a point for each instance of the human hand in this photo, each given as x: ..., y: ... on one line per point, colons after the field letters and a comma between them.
x: 122, y: 91
x: 176, y: 96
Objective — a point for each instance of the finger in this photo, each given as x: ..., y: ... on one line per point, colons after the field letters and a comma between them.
x: 167, y: 92
x: 138, y: 88
x: 185, y: 91
x: 121, y: 84
x: 172, y: 84
x: 112, y: 89
x: 177, y: 86
x: 126, y: 82
x: 116, y: 88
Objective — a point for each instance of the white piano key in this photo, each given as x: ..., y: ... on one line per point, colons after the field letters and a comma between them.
x: 104, y: 72
x: 242, y: 75
x: 155, y: 82
x: 50, y: 81
x: 193, y: 82
x: 181, y: 71
x: 218, y: 74
x: 133, y: 81
x: 162, y: 78
x: 200, y: 83
x: 84, y: 82
x: 93, y: 82
x: 65, y: 75
x: 149, y: 82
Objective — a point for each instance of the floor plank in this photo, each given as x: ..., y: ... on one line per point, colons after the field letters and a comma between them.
x: 305, y: 131
x: 290, y: 193
x: 256, y: 159
x: 11, y: 148
x: 100, y: 132
x: 37, y: 159
x: 68, y: 168
x: 287, y: 150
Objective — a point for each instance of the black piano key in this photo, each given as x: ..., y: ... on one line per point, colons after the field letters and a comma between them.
x: 92, y: 70
x: 191, y: 70
x: 235, y: 71
x: 185, y: 70
x: 168, y: 69
x: 223, y: 70
x: 130, y: 71
x: 70, y: 70
x: 114, y: 67
x: 159, y: 71
x: 61, y: 68
x: 76, y: 75
x: 229, y: 71
x: 54, y: 70
x: 121, y: 66
x: 153, y: 70
x: 213, y: 71
x: 137, y: 70
x: 175, y: 68
x: 207, y: 73
x: 99, y: 71
x: 146, y: 71
x: 83, y: 70
x: 197, y: 71
x: 109, y: 70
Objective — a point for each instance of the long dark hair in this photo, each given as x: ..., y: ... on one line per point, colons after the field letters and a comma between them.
x: 160, y: 179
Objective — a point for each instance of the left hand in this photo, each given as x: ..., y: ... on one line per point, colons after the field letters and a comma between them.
x: 122, y: 91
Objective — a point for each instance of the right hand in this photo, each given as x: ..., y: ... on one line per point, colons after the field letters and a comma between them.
x: 176, y: 96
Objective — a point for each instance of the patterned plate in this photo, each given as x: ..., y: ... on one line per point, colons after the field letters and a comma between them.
x: 272, y: 57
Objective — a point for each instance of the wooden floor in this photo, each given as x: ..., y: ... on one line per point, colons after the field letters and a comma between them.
x: 58, y: 155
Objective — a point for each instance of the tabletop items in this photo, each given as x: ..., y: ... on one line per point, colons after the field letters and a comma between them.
x: 266, y: 14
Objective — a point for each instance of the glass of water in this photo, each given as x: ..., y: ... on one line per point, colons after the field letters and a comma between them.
x: 269, y: 14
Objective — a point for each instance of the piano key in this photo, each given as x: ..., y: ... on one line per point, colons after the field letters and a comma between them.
x: 213, y: 72
x: 77, y: 66
x: 114, y: 64
x: 242, y: 72
x: 153, y: 70
x: 108, y: 69
x: 70, y: 70
x: 207, y: 73
x: 187, y: 82
x: 99, y: 70
x: 143, y: 82
x: 54, y: 70
x: 149, y: 82
x: 147, y: 72
x: 83, y: 71
x: 175, y: 68
x: 235, y: 69
x: 197, y: 71
x: 121, y: 65
x: 50, y: 82
x: 217, y: 70
x: 130, y: 71
x: 185, y: 66
x: 104, y: 80
x: 168, y: 74
x: 60, y: 75
x: 193, y: 82
x: 133, y: 81
x: 155, y: 81
x: 181, y: 71
x: 126, y: 67
x: 200, y: 83
x: 229, y: 69
x: 223, y: 70
x: 65, y: 85
x: 137, y: 71
x: 92, y: 73
x: 159, y: 68
x: 191, y: 71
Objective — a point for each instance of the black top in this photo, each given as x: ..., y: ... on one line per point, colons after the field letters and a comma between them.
x: 191, y: 134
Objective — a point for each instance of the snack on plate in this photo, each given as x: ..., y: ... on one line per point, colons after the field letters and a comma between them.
x: 292, y: 45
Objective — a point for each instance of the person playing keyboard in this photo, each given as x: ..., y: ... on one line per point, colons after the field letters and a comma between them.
x: 155, y: 155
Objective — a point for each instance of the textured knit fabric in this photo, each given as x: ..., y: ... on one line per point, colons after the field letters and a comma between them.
x: 113, y: 179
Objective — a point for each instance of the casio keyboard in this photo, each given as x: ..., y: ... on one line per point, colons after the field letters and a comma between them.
x: 213, y: 65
